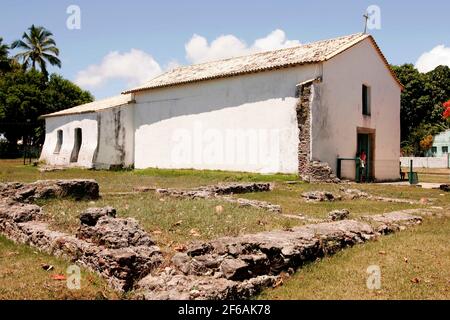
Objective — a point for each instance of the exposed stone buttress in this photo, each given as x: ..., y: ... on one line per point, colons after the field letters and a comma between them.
x: 309, y: 170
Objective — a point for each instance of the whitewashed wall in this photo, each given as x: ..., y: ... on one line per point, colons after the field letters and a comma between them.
x: 190, y: 126
x: 335, y: 126
x: 88, y: 124
x: 116, y: 137
x: 426, y: 162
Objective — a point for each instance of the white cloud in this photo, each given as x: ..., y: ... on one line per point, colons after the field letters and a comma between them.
x: 135, y: 67
x: 439, y: 55
x: 274, y: 40
x: 172, y: 64
x: 198, y: 50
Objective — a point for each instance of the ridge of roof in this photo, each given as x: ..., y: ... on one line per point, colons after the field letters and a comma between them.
x: 313, y: 52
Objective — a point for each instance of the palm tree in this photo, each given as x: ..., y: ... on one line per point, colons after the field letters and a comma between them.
x: 38, y: 48
x: 4, y: 60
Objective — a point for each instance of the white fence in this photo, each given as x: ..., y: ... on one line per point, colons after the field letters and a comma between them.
x: 427, y: 162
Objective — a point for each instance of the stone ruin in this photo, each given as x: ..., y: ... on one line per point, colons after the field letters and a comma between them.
x: 239, y: 267
x: 337, y: 215
x: 117, y: 249
x: 46, y: 189
x: 226, y: 268
x: 224, y: 192
x: 319, y: 196
x: 350, y: 194
x: 318, y: 172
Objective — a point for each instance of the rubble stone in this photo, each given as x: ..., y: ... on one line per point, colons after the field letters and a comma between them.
x: 393, y: 221
x: 18, y: 212
x: 214, y: 190
x: 319, y: 196
x: 235, y: 269
x: 220, y: 191
x: 91, y: 215
x: 113, y: 232
x: 337, y: 215
x: 254, y: 204
x: 166, y: 286
x: 353, y: 194
x: 117, y: 249
x: 45, y: 189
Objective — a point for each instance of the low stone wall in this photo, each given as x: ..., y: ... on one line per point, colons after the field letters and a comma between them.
x: 350, y: 194
x: 46, y: 189
x: 239, y: 267
x: 217, y: 190
x: 117, y: 249
x: 220, y: 191
x: 225, y: 268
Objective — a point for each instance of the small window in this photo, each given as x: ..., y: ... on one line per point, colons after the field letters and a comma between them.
x: 78, y: 140
x: 433, y: 150
x: 59, y: 141
x: 365, y: 100
x: 445, y: 149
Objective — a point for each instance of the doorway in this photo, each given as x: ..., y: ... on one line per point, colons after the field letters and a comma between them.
x: 365, y: 150
x: 78, y: 139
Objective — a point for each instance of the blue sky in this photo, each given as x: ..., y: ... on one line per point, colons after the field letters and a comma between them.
x: 159, y: 31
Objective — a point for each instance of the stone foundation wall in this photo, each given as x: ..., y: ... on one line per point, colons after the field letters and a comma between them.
x: 46, y: 189
x: 224, y: 192
x: 117, y: 249
x: 239, y: 267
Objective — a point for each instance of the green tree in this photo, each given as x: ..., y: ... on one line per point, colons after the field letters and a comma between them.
x: 4, y: 59
x: 421, y: 105
x: 38, y: 48
x: 26, y: 95
x: 20, y: 102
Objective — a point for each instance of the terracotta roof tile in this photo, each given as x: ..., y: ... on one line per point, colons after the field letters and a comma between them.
x: 307, y: 53
x: 116, y: 101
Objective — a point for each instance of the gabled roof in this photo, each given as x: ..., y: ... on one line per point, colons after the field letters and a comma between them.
x: 95, y: 106
x: 304, y: 54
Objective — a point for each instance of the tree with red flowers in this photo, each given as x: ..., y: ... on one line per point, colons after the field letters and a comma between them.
x: 447, y: 110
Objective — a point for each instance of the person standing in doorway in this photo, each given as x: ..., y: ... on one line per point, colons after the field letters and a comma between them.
x: 363, y: 158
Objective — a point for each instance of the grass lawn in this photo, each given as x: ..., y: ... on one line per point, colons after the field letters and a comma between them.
x: 22, y: 276
x: 432, y: 175
x: 172, y: 222
x: 415, y: 264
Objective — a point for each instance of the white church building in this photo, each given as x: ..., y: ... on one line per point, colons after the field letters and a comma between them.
x: 295, y: 110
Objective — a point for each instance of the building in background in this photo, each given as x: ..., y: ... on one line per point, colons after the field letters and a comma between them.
x: 441, y: 145
x: 294, y: 110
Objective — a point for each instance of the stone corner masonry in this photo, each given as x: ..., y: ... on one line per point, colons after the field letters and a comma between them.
x: 309, y: 170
